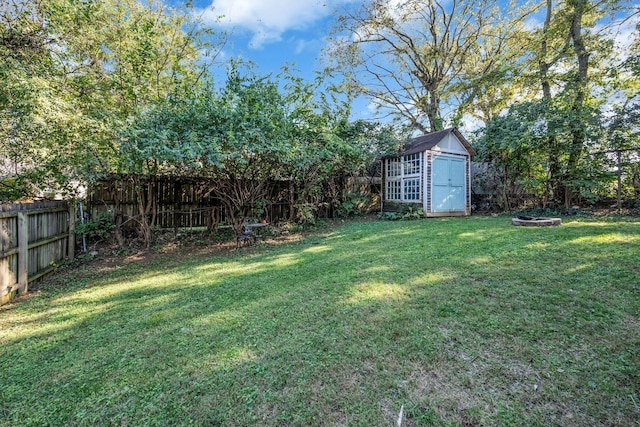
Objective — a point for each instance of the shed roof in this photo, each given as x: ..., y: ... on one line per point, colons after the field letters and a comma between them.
x: 430, y: 140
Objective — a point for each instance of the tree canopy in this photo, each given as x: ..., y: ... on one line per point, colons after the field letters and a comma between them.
x: 547, y: 82
x: 122, y: 89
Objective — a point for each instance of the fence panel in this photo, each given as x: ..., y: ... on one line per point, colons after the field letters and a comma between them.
x: 178, y: 202
x: 34, y: 238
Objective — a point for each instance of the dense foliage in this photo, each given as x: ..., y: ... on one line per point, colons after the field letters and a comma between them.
x: 552, y: 85
x: 73, y: 73
x: 126, y: 90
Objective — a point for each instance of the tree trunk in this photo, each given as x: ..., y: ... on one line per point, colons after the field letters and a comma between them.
x: 554, y: 173
x: 143, y: 205
x: 292, y: 200
x: 435, y: 121
x: 117, y: 212
x: 578, y: 134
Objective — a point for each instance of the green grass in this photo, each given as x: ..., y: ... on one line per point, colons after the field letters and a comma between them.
x: 465, y: 321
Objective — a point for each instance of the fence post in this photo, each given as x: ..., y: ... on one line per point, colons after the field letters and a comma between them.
x: 71, y: 246
x: 619, y: 153
x: 23, y: 254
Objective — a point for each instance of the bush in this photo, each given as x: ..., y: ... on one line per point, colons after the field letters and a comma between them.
x: 102, y: 228
x: 355, y: 204
x: 389, y: 216
x: 306, y: 213
x: 11, y: 190
x: 407, y: 213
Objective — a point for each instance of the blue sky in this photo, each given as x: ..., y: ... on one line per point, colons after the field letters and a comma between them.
x: 275, y: 32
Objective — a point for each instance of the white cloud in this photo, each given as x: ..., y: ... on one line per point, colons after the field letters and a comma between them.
x: 268, y: 20
x: 307, y: 45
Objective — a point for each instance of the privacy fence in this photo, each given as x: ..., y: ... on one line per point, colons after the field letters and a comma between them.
x: 176, y: 202
x: 188, y: 202
x: 34, y: 238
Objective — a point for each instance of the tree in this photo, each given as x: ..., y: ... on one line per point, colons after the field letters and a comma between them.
x: 328, y: 148
x: 565, y: 63
x: 82, y: 70
x: 579, y: 61
x: 251, y: 129
x: 77, y: 73
x: 421, y: 60
x: 623, y: 128
x: 32, y: 109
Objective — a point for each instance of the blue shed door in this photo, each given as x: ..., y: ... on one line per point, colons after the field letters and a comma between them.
x: 448, y: 177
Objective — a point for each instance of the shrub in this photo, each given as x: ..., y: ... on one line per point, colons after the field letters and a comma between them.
x: 355, y: 204
x: 407, y: 212
x: 101, y: 228
x: 389, y: 216
x: 306, y: 213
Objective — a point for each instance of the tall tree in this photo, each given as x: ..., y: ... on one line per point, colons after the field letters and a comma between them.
x: 98, y: 65
x: 31, y: 101
x: 565, y: 64
x: 415, y: 59
x: 572, y: 59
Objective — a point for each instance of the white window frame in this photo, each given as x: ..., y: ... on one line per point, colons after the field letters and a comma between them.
x: 411, y: 189
x: 412, y: 164
x: 394, y: 169
x: 404, y: 178
x: 394, y: 189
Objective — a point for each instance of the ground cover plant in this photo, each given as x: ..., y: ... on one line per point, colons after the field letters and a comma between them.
x: 463, y: 321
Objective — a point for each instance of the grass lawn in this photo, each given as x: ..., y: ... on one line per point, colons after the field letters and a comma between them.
x: 463, y: 321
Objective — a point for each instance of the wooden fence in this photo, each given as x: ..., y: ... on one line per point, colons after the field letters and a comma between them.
x: 34, y: 238
x: 177, y: 202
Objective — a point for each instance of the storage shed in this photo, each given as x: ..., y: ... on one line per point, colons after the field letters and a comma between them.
x: 431, y: 172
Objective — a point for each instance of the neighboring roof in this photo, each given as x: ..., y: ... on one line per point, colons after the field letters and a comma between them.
x: 430, y: 140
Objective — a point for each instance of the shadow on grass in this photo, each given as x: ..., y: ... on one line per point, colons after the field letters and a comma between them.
x: 460, y: 320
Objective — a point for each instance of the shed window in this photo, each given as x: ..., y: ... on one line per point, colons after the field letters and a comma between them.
x: 393, y: 168
x: 404, y: 182
x: 393, y: 190
x: 412, y: 164
x: 411, y: 189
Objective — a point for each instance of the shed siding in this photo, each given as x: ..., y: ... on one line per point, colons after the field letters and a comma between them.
x: 384, y: 182
x: 469, y: 185
x: 427, y: 178
x: 422, y: 194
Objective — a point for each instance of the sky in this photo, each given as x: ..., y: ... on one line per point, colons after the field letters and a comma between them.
x: 273, y: 33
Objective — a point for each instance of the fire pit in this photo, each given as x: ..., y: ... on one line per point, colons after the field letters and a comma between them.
x: 534, y: 221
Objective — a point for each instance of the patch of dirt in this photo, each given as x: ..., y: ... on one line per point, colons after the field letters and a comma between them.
x: 460, y: 386
x: 444, y: 391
